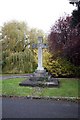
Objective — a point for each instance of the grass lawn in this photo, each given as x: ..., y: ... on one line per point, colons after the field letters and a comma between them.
x: 11, y: 87
x: 68, y: 88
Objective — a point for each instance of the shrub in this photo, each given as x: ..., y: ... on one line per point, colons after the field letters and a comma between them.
x: 60, y: 67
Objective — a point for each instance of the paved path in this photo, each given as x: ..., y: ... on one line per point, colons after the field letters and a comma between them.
x: 38, y: 108
x: 14, y: 76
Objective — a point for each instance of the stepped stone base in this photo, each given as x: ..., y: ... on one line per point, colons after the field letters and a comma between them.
x: 40, y: 78
x: 40, y: 73
x: 35, y: 83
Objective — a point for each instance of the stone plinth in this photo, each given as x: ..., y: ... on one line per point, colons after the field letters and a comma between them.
x: 34, y: 83
x: 40, y: 73
x: 40, y: 79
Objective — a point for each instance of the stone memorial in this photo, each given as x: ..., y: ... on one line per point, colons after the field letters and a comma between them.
x: 40, y: 78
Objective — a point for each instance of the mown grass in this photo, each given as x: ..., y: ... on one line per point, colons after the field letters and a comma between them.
x: 11, y: 87
x: 68, y: 88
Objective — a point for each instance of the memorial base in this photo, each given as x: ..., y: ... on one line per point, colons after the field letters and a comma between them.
x: 40, y: 73
x: 33, y: 82
x: 40, y: 79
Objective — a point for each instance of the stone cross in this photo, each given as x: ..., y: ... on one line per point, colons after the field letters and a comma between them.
x: 40, y: 46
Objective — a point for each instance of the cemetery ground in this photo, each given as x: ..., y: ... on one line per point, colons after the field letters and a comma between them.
x: 17, y: 100
x: 68, y: 88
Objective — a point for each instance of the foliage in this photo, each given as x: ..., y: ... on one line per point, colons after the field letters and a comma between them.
x: 75, y: 21
x: 17, y: 53
x: 60, y: 67
x: 0, y: 57
x: 22, y: 62
x: 64, y: 41
x: 13, y: 36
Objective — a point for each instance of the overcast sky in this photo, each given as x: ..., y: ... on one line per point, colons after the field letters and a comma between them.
x: 37, y: 13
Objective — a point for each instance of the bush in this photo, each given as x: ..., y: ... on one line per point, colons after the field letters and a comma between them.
x: 60, y: 67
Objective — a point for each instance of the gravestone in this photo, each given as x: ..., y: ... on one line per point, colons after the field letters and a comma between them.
x: 40, y: 77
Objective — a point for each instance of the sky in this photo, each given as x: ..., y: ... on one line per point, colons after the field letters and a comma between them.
x: 40, y: 14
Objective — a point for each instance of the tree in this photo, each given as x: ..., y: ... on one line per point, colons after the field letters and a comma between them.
x: 13, y: 36
x: 64, y: 40
x: 75, y: 21
x: 17, y: 53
